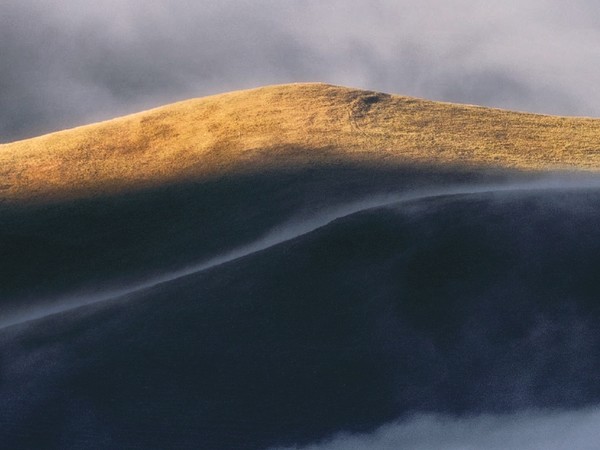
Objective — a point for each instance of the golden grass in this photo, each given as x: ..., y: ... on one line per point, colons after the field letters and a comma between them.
x: 295, y: 124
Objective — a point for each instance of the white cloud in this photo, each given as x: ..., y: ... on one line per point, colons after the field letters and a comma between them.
x: 564, y: 430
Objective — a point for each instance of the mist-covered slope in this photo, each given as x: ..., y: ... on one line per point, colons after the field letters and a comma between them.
x: 82, y: 248
x: 275, y: 266
x: 456, y: 304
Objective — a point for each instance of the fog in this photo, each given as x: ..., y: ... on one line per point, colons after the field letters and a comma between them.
x: 67, y: 63
x: 299, y: 226
x: 535, y: 430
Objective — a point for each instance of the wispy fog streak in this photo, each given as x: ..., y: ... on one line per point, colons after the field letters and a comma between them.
x: 289, y: 231
x: 536, y: 430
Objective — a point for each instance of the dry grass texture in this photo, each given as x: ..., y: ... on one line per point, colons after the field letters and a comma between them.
x: 288, y: 125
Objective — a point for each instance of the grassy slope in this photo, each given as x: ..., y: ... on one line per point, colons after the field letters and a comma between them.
x: 278, y: 126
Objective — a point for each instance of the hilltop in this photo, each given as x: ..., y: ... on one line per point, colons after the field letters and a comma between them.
x: 298, y: 125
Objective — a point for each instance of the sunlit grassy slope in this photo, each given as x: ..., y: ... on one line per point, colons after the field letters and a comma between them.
x: 277, y: 126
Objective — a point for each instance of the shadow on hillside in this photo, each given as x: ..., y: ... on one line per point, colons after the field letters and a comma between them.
x: 457, y: 304
x: 88, y: 246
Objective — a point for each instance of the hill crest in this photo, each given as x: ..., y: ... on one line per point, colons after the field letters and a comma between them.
x: 288, y: 125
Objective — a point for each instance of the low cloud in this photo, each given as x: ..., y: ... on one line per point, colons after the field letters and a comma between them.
x: 547, y: 430
x: 67, y: 63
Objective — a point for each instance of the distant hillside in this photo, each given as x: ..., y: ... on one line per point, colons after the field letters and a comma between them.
x: 288, y: 125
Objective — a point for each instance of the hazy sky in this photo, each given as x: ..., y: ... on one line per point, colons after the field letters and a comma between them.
x: 68, y: 62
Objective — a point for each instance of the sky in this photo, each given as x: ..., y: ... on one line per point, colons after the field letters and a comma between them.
x: 68, y: 62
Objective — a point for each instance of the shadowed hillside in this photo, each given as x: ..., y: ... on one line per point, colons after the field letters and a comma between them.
x: 83, y: 247
x: 282, y: 126
x: 453, y: 304
x: 276, y: 266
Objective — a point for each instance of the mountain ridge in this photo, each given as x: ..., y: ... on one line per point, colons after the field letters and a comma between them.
x: 273, y: 127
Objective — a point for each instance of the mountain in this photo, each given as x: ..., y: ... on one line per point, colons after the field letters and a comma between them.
x: 287, y: 126
x: 278, y: 266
